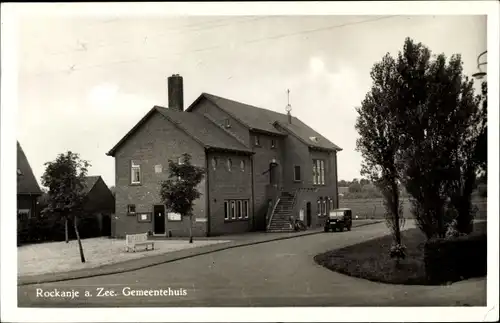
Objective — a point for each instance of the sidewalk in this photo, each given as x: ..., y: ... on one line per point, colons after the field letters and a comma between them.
x: 235, y: 241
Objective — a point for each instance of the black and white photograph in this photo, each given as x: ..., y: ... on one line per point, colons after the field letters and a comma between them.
x: 279, y: 161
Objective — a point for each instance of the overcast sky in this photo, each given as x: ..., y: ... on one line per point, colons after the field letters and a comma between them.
x: 83, y: 83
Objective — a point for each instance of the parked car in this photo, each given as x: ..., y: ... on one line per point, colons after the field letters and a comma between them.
x: 339, y: 219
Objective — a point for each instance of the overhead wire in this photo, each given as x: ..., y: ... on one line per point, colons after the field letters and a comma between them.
x: 214, y: 47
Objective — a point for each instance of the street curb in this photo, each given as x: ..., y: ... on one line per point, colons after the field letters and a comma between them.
x: 108, y: 270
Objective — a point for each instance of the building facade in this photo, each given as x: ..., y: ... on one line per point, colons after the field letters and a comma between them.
x: 28, y: 190
x: 264, y: 170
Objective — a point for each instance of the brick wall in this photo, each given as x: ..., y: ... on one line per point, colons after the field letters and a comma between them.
x: 263, y: 156
x: 154, y: 143
x: 219, y: 116
x: 227, y: 185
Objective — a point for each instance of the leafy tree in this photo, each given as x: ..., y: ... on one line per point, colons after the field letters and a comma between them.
x: 438, y: 113
x: 180, y: 191
x: 65, y: 179
x: 379, y: 143
x: 343, y: 183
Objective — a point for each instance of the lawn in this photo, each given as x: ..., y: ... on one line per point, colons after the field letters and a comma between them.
x: 370, y: 260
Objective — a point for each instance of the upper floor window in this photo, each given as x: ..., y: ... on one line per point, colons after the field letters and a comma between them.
x: 242, y: 165
x: 257, y: 140
x: 214, y: 163
x: 180, y: 160
x: 135, y: 172
x: 273, y: 143
x: 296, y: 173
x: 229, y: 164
x: 227, y: 123
x: 318, y: 172
x: 131, y: 209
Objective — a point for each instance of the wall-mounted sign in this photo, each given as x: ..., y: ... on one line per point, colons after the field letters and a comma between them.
x: 174, y: 216
x: 158, y: 168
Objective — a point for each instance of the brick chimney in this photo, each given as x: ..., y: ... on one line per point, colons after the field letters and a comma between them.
x: 175, y: 93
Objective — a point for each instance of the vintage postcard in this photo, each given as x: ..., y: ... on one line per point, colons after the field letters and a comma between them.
x: 295, y: 161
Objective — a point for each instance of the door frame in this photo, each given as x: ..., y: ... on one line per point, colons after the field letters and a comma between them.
x: 154, y: 221
x: 308, y: 218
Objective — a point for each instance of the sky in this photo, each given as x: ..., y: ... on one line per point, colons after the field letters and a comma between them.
x: 83, y: 83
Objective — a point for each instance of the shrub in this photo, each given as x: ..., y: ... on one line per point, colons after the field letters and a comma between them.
x: 455, y: 258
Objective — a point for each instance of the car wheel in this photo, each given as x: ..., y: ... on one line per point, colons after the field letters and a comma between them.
x: 326, y: 229
x: 349, y: 228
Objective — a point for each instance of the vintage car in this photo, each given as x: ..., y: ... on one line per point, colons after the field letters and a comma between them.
x: 339, y: 219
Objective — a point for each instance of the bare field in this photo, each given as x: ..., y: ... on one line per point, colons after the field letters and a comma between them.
x: 374, y: 208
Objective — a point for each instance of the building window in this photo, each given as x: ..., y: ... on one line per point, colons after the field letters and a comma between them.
x: 324, y: 206
x: 318, y: 172
x: 131, y: 209
x: 158, y: 169
x: 273, y: 143
x: 229, y: 164
x: 226, y: 210
x: 227, y: 123
x: 233, y: 210
x: 19, y: 172
x: 180, y: 160
x: 239, y: 213
x: 257, y: 140
x: 245, y: 209
x: 24, y: 214
x: 319, y: 207
x: 135, y: 172
x: 296, y: 173
x: 242, y: 165
x: 214, y: 163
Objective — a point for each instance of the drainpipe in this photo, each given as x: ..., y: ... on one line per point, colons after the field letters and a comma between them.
x: 253, y: 192
x: 336, y: 180
x: 207, y: 188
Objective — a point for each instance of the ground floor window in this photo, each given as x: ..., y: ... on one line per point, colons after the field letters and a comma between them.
x: 24, y: 214
x: 235, y: 210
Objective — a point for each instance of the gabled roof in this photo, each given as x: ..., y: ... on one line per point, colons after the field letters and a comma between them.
x: 259, y: 119
x: 307, y: 135
x: 26, y: 181
x: 89, y: 183
x: 201, y: 129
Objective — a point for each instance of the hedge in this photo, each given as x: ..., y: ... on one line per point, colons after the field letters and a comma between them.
x: 451, y: 260
x: 51, y: 228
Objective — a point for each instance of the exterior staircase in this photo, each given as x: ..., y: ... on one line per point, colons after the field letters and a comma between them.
x: 281, y: 215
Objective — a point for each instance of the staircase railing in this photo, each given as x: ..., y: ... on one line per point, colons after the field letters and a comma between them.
x: 272, y: 213
x: 292, y: 217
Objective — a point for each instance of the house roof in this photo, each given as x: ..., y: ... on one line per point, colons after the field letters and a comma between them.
x: 89, y: 183
x: 198, y: 127
x: 26, y: 181
x: 259, y: 119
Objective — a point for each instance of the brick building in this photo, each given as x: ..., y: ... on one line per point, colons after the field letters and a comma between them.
x: 28, y: 190
x: 263, y: 169
x: 99, y: 203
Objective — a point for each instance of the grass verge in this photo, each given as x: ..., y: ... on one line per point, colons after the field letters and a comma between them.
x: 370, y: 260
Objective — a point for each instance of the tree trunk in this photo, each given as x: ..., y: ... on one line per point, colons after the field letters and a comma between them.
x: 66, y: 235
x: 395, y: 211
x: 82, y: 257
x: 190, y: 228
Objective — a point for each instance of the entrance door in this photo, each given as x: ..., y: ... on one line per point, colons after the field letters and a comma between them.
x: 159, y: 219
x: 308, y: 213
x: 273, y: 176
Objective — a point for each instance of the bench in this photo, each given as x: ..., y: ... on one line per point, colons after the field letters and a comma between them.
x: 141, y: 239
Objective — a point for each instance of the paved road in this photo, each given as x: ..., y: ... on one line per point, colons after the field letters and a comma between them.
x: 279, y: 273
